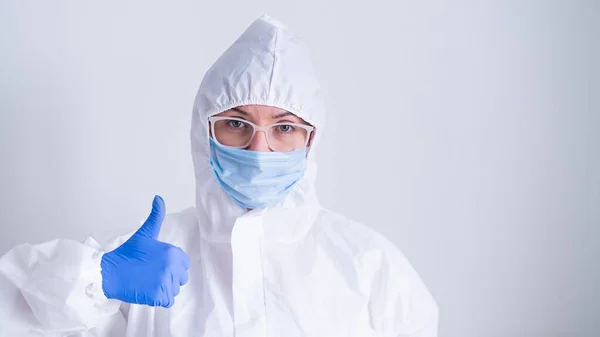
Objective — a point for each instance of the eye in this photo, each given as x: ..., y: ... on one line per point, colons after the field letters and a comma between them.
x: 235, y: 124
x: 285, y: 128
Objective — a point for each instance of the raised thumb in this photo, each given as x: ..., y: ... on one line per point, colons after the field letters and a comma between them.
x: 151, y: 228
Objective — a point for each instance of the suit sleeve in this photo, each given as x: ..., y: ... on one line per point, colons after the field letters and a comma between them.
x: 55, y: 289
x: 400, y: 304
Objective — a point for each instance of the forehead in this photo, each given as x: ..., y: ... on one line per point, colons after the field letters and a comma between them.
x: 261, y: 110
x: 260, y: 113
x: 257, y: 111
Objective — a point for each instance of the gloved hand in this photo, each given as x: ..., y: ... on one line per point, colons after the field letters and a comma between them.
x: 144, y: 270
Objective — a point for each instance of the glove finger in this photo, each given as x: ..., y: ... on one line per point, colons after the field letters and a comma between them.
x: 176, y: 289
x: 183, y: 277
x: 151, y: 227
x: 167, y: 291
x: 183, y: 258
x: 186, y: 260
x: 168, y: 300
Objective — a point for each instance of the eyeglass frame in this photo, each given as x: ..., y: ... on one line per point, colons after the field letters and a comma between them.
x: 255, y: 128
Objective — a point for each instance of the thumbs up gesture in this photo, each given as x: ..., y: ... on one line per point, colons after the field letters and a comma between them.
x: 144, y: 270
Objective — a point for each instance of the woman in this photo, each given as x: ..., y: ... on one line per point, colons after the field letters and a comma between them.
x: 257, y: 256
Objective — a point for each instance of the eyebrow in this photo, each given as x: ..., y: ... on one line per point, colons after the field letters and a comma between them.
x: 281, y: 115
x: 240, y: 111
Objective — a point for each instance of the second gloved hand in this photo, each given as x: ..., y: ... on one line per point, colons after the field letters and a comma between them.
x: 144, y: 270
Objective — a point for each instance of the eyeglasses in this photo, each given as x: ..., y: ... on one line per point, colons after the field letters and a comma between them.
x: 239, y: 133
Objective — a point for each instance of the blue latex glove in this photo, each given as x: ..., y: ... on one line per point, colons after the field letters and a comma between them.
x: 144, y: 270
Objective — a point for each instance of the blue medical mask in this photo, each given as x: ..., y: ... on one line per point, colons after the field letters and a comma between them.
x: 256, y: 179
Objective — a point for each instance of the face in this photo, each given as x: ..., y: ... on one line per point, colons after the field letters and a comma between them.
x: 263, y: 115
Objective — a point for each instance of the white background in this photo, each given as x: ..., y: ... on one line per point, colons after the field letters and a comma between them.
x: 465, y: 132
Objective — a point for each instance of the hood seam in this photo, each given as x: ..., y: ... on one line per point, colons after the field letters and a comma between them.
x: 274, y: 51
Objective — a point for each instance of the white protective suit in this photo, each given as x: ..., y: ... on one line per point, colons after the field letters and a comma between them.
x: 293, y: 270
